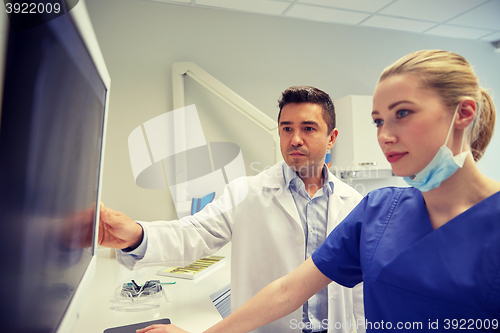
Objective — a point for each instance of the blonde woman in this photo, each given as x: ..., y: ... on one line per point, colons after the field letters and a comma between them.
x: 429, y: 254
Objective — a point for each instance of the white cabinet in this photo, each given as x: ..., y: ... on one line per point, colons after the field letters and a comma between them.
x: 357, y: 154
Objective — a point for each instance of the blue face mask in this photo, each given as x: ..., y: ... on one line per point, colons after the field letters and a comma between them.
x: 442, y: 166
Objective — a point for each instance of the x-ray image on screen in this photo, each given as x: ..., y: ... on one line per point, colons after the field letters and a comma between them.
x: 50, y: 153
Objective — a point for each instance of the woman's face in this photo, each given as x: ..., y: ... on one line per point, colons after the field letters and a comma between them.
x: 412, y: 123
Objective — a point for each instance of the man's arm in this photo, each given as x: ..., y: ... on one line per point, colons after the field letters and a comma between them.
x: 174, y: 243
x: 276, y: 300
x: 117, y: 230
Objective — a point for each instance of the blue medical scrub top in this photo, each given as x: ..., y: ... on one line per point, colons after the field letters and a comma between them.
x: 416, y: 278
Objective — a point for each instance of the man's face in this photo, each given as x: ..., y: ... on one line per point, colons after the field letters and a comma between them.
x: 304, y: 137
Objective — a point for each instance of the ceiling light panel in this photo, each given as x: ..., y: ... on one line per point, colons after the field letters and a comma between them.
x: 387, y: 22
x: 256, y: 6
x: 324, y: 14
x: 430, y: 10
x: 181, y: 1
x: 486, y: 16
x: 492, y: 37
x: 370, y: 6
x: 458, y: 32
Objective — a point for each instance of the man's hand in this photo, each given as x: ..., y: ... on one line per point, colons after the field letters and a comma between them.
x: 161, y: 329
x: 117, y: 230
x: 76, y: 229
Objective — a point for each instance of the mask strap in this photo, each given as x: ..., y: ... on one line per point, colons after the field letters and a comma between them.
x: 463, y: 141
x: 451, y: 127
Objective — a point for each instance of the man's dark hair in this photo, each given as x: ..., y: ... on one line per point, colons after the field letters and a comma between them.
x: 307, y: 94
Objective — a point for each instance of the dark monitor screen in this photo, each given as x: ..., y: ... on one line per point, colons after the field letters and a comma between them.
x: 51, y: 135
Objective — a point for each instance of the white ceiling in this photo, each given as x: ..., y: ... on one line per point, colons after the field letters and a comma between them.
x: 470, y: 19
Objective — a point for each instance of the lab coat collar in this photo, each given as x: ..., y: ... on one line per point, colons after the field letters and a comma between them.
x: 291, y: 176
x: 274, y: 182
x: 273, y: 179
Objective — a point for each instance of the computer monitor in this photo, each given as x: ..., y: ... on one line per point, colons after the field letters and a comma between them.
x: 52, y: 129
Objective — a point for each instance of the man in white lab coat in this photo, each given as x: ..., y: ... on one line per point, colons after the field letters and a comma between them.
x: 275, y: 221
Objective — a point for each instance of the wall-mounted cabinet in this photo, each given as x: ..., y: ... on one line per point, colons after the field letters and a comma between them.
x: 357, y: 154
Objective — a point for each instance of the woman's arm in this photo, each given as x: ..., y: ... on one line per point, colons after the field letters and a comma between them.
x: 276, y: 300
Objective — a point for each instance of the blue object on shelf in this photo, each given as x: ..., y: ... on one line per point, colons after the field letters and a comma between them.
x: 198, y: 204
x: 328, y: 158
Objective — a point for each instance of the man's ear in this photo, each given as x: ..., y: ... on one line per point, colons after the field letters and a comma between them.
x: 332, y: 137
x: 466, y: 113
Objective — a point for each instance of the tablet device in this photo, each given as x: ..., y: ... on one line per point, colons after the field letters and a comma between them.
x: 133, y: 327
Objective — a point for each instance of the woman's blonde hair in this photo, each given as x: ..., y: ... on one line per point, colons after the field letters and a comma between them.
x: 452, y: 78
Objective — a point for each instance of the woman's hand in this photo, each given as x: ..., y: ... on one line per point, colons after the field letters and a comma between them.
x: 161, y: 329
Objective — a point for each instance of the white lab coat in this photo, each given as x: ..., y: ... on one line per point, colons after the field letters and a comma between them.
x: 267, y: 243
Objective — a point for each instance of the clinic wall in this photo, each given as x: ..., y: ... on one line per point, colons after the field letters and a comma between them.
x: 257, y: 56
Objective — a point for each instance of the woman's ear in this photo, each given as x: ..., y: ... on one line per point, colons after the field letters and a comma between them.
x: 466, y: 113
